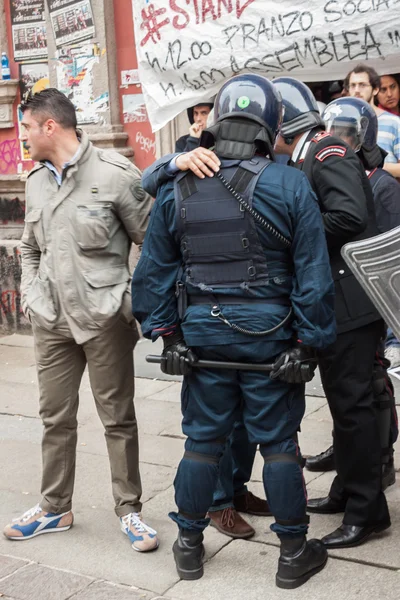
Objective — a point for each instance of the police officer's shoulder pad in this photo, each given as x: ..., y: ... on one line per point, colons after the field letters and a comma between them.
x: 334, y: 150
x: 114, y: 158
x: 36, y: 168
x: 320, y: 136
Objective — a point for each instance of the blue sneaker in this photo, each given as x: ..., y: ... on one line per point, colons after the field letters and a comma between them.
x: 143, y: 537
x: 36, y: 521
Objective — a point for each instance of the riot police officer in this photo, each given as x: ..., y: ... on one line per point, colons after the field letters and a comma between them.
x: 347, y: 207
x: 254, y: 286
x: 354, y: 121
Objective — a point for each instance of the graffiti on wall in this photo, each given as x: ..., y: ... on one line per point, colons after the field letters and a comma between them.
x: 146, y: 144
x: 11, y: 210
x: 12, y: 318
x: 9, y: 156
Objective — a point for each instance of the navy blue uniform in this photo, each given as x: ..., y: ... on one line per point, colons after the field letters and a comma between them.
x: 157, y: 174
x: 186, y: 143
x: 212, y: 399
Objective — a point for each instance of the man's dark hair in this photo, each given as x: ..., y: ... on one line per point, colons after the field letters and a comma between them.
x: 374, y: 78
x: 51, y: 104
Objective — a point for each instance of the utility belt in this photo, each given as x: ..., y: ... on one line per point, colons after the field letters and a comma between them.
x: 224, y: 299
x: 184, y: 300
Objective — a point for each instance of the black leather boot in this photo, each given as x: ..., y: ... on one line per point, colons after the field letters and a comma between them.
x: 188, y: 553
x: 321, y: 462
x: 299, y: 560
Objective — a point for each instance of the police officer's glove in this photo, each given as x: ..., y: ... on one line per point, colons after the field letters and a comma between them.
x: 296, y: 365
x: 176, y: 356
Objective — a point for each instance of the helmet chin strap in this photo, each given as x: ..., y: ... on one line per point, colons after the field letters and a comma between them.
x: 372, y: 159
x: 238, y: 139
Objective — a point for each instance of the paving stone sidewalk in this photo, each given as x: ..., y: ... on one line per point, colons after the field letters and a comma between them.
x: 94, y: 561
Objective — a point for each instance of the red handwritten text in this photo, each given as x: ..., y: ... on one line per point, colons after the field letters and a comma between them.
x: 153, y: 19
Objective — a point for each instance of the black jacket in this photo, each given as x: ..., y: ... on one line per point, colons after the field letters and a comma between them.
x: 186, y: 143
x: 386, y: 192
x: 347, y: 206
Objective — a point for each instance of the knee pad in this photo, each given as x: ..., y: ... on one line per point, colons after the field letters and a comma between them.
x: 284, y: 458
x: 209, y: 452
x: 283, y: 452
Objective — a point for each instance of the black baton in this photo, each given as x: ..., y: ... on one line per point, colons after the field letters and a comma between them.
x: 217, y: 364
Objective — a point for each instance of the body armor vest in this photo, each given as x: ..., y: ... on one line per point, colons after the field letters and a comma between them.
x: 219, y: 241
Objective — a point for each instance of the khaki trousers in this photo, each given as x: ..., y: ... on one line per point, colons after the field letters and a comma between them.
x: 60, y: 366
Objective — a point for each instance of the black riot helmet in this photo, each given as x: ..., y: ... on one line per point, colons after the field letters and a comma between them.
x: 251, y: 97
x: 301, y: 111
x: 248, y: 114
x: 355, y: 121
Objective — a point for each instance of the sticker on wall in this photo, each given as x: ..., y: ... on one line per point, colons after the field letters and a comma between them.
x: 134, y: 108
x: 72, y: 20
x: 33, y: 77
x: 28, y: 29
x: 130, y: 77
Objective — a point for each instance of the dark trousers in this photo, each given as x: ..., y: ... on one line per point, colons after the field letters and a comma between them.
x: 235, y: 468
x: 346, y: 371
x: 385, y: 400
x: 213, y: 400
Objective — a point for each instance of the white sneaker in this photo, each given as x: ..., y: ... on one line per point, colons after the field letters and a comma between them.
x: 392, y: 353
x: 143, y: 537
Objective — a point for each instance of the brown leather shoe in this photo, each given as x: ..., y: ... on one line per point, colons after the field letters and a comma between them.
x: 252, y: 505
x: 229, y: 522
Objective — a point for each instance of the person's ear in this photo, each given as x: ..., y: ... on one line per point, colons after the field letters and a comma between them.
x: 49, y: 127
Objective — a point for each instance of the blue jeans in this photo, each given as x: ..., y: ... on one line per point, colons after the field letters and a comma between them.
x: 391, y: 339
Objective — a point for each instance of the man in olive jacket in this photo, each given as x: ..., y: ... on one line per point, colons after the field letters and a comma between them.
x: 84, y: 208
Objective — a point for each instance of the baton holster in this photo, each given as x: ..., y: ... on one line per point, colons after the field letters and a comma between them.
x: 181, y: 298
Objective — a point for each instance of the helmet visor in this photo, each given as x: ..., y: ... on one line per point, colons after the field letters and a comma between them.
x: 352, y: 130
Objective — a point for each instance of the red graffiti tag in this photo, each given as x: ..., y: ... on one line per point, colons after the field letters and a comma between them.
x: 7, y: 302
x: 9, y: 156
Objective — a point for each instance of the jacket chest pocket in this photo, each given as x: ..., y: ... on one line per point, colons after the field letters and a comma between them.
x: 34, y: 218
x: 93, y: 225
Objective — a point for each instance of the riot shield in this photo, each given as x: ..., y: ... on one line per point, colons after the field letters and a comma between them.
x: 375, y: 263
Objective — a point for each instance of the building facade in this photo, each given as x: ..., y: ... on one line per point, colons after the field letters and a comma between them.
x: 86, y: 48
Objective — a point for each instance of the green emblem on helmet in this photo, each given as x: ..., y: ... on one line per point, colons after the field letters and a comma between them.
x: 243, y: 102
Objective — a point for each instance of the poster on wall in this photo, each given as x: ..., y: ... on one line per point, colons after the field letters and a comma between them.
x: 27, y: 11
x: 28, y: 29
x: 72, y: 20
x: 22, y: 146
x: 33, y: 77
x: 75, y: 79
x: 134, y: 108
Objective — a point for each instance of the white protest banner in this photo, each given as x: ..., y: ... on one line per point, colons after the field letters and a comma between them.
x: 188, y: 48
